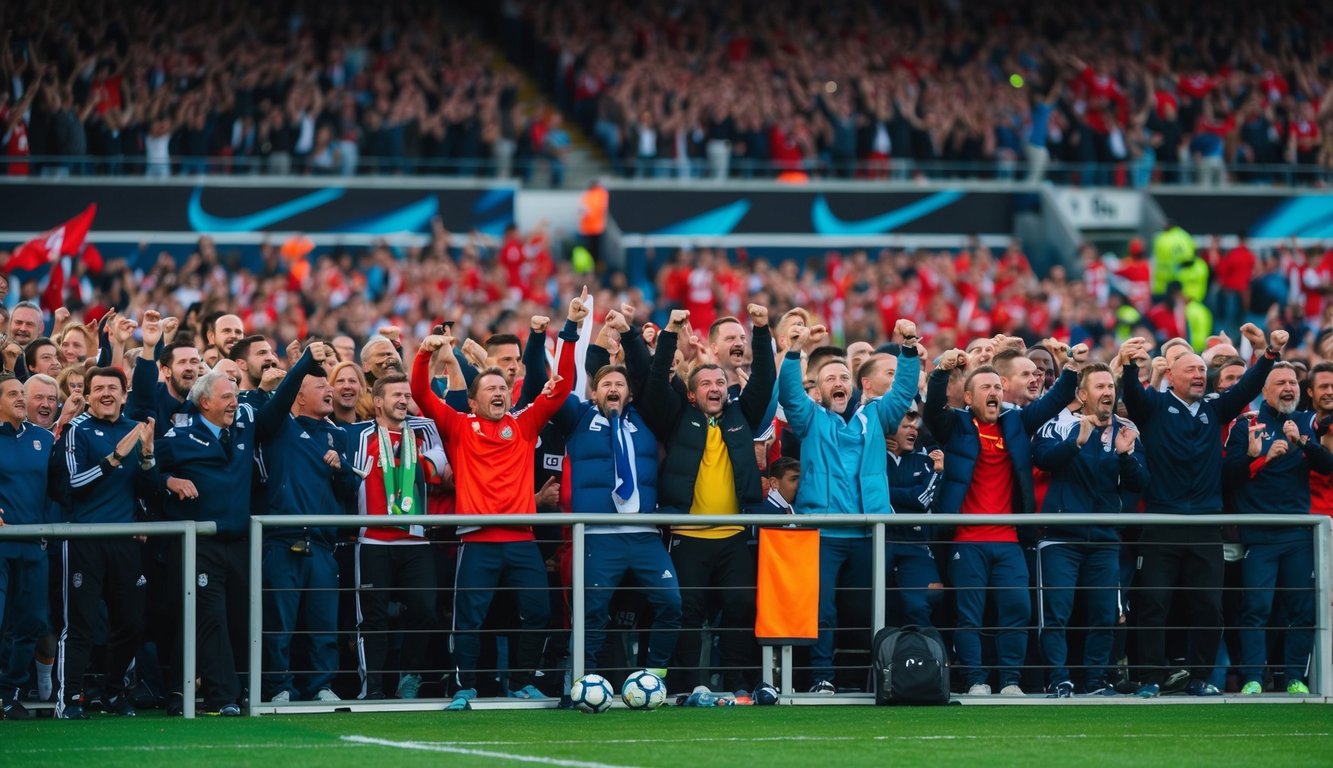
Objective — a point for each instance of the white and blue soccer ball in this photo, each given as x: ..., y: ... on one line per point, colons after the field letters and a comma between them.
x: 643, y: 690
x: 592, y: 694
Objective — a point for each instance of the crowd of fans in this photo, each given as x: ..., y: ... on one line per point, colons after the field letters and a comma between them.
x: 1116, y: 93
x: 211, y: 392
x: 244, y: 87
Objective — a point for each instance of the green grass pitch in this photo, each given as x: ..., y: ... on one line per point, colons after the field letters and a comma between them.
x: 1175, y: 735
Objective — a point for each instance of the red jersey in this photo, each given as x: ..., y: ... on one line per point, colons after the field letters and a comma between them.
x: 492, y: 460
x: 1321, y: 494
x: 992, y: 488
x: 1235, y: 269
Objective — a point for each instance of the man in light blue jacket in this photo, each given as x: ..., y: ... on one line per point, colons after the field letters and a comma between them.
x: 844, y: 469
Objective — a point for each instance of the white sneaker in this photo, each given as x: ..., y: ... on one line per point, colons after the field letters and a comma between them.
x: 326, y: 695
x: 1012, y: 690
x: 980, y: 689
x: 282, y: 697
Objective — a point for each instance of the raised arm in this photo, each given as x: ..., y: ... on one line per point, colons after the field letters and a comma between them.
x: 445, y: 418
x: 758, y: 393
x: 534, y: 362
x: 661, y: 404
x: 906, y: 379
x: 939, y: 417
x: 270, y: 417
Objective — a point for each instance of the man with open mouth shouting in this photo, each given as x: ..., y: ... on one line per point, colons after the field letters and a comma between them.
x: 988, y: 470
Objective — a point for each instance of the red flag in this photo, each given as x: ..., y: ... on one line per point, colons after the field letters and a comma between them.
x: 64, y: 240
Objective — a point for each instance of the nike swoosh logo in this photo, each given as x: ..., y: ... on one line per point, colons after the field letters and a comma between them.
x: 720, y: 221
x: 203, y: 221
x: 826, y: 222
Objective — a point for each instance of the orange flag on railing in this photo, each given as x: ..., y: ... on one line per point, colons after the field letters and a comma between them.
x: 787, y: 597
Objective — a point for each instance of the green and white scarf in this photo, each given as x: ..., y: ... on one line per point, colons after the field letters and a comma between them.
x: 401, y: 494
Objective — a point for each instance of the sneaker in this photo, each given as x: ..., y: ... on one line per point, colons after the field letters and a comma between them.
x: 1148, y: 691
x: 823, y: 688
x: 327, y: 695
x: 1013, y: 689
x: 282, y: 697
x: 980, y: 689
x: 409, y: 686
x: 461, y: 699
x: 529, y: 692
x: 1295, y: 688
x: 1101, y: 688
x: 743, y: 697
x: 1252, y: 688
x: 1201, y: 688
x: 74, y: 712
x: 1061, y: 690
x: 659, y: 671
x: 121, y: 706
x: 14, y: 710
x: 1175, y: 682
x: 176, y: 705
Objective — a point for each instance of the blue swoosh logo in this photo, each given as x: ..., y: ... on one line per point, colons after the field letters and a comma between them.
x: 716, y: 222
x: 203, y: 221
x: 1306, y: 216
x: 411, y: 218
x: 827, y: 223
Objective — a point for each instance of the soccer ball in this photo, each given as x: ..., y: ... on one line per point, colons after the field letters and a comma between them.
x: 643, y: 690
x: 592, y: 694
x: 766, y: 695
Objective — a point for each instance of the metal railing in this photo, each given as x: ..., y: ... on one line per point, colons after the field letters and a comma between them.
x: 188, y: 530
x: 542, y: 170
x: 1321, y: 674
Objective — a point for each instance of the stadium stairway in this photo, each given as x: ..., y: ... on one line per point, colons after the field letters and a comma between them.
x: 585, y: 160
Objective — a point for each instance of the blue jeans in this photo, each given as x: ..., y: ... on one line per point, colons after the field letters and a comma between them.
x: 299, y: 590
x: 482, y: 567
x: 1289, y: 567
x: 1000, y: 569
x: 843, y: 562
x: 608, y: 558
x: 912, y: 568
x: 1095, y: 568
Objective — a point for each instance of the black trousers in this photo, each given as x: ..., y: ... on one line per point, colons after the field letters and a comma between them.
x: 406, y: 574
x: 222, y: 618
x: 97, y: 570
x: 1185, y: 561
x: 715, y: 574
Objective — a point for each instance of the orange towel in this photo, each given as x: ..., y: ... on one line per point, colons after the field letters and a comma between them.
x: 787, y: 610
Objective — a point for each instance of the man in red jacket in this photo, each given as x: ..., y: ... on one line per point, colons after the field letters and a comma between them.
x: 491, y: 452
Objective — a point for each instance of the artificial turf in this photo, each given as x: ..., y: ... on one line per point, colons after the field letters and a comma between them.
x: 1199, y: 735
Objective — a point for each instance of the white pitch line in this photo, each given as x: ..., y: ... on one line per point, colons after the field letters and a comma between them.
x: 425, y: 746
x: 759, y: 739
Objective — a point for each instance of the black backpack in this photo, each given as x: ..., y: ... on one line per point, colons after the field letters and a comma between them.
x: 911, y: 666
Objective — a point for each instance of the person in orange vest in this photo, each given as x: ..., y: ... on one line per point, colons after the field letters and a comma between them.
x: 593, y: 204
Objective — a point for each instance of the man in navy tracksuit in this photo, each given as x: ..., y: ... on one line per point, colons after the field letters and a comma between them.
x: 26, y: 452
x: 207, y: 464
x: 1269, y: 460
x: 988, y: 470
x: 310, y: 474
x: 613, y: 470
x: 1182, y: 438
x: 1092, y: 455
x: 914, y: 477
x: 107, y: 462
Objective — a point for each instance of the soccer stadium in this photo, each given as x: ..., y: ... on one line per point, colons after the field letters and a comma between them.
x: 608, y: 384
